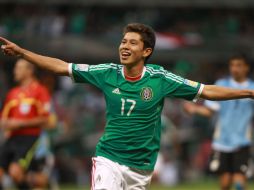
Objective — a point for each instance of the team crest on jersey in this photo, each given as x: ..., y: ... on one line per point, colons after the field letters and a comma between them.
x: 191, y: 83
x: 146, y: 93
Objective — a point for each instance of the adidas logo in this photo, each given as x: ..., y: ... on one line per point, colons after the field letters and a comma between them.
x: 116, y: 91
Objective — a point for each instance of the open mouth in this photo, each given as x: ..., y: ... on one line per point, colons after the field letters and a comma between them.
x: 125, y: 55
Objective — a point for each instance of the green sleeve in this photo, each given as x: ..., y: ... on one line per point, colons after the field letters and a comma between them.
x: 92, y: 74
x: 177, y: 87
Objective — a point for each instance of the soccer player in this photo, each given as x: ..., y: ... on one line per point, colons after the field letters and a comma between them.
x: 232, y: 135
x: 25, y: 112
x: 134, y: 93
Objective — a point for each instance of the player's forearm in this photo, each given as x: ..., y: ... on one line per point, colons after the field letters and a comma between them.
x: 52, y: 64
x: 36, y: 122
x: 13, y: 124
x: 213, y: 92
x: 204, y: 111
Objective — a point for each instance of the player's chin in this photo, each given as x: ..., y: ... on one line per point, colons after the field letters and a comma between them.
x: 17, y: 79
x: 125, y: 62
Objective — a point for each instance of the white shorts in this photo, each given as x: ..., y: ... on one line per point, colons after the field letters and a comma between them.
x: 109, y: 175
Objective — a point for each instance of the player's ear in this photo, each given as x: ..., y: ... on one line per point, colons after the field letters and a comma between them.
x: 147, y: 52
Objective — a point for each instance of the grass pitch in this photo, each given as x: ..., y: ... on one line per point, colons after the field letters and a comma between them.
x: 206, y: 184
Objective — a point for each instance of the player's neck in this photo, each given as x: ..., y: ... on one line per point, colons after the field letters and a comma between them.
x: 26, y: 82
x: 240, y: 80
x: 133, y: 71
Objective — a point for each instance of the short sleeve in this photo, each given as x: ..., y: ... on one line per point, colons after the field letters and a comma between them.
x: 83, y: 73
x: 177, y: 87
x: 6, y: 108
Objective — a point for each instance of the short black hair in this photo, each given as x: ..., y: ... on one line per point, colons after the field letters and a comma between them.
x: 239, y: 56
x: 146, y: 32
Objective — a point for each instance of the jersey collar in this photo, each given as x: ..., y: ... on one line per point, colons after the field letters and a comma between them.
x: 143, y: 72
x: 244, y: 84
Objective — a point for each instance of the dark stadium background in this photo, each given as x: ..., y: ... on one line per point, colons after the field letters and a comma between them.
x: 194, y: 39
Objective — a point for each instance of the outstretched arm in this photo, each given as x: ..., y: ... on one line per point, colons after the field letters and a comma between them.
x: 213, y: 92
x: 52, y: 64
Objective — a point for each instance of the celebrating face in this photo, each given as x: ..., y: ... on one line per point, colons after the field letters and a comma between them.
x: 131, y: 49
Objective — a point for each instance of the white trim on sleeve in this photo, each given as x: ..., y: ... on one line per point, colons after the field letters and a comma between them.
x: 199, y: 93
x: 70, y: 71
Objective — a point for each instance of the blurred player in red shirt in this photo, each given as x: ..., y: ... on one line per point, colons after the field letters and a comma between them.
x: 25, y: 113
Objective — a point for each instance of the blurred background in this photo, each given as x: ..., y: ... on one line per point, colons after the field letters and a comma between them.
x: 195, y: 38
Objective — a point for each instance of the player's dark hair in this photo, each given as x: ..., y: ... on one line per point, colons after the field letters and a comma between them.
x: 239, y: 56
x: 146, y: 32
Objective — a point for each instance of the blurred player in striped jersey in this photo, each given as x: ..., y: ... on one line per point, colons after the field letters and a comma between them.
x: 134, y: 92
x: 233, y: 131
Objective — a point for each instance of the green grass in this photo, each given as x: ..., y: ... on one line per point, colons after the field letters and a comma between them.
x: 201, y: 185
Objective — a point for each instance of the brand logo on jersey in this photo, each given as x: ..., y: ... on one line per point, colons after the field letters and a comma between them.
x: 116, y: 91
x: 146, y: 93
x: 82, y: 67
x: 191, y: 83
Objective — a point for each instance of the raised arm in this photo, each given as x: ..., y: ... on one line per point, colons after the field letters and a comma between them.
x: 213, y: 92
x: 52, y: 64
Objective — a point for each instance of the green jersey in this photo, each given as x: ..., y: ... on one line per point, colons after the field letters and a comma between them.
x: 133, y: 109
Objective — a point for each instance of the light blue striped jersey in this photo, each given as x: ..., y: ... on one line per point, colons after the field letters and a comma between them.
x: 234, y: 123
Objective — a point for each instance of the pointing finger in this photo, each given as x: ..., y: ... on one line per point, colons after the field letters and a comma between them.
x: 5, y: 41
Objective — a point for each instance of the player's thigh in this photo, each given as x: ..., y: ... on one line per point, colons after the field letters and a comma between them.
x: 6, y: 152
x: 220, y: 162
x: 39, y: 171
x: 105, y: 175
x: 37, y: 164
x: 137, y: 179
x: 25, y: 150
x: 241, y: 160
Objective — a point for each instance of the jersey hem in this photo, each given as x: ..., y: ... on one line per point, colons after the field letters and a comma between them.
x: 125, y: 163
x: 227, y: 149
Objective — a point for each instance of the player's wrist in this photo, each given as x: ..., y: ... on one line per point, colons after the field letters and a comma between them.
x: 248, y: 94
x: 252, y: 94
x: 21, y: 52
